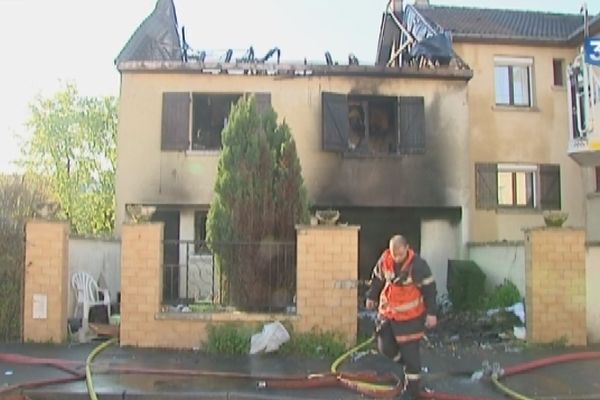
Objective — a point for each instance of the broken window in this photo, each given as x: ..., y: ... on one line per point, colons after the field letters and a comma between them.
x: 373, y: 125
x: 209, y: 116
x: 514, y: 81
x: 517, y: 186
x: 210, y: 113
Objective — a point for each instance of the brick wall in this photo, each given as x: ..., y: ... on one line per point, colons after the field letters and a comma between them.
x: 327, y: 296
x: 555, y: 285
x: 47, y: 281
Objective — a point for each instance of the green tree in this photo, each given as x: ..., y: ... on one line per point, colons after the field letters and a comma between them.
x: 18, y: 200
x: 259, y: 197
x: 73, y: 148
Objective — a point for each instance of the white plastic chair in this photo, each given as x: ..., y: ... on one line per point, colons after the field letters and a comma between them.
x: 88, y: 295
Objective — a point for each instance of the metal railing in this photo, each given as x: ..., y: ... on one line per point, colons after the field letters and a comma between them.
x: 246, y: 276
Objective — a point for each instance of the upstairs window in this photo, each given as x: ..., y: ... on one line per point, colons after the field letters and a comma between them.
x: 195, y: 121
x: 210, y: 113
x: 513, y: 77
x: 558, y: 71
x: 517, y: 186
x: 373, y: 125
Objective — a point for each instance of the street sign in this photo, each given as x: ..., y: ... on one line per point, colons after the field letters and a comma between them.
x: 592, y: 50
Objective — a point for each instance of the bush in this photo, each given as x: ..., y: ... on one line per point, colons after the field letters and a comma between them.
x: 17, y: 203
x: 504, y: 295
x: 229, y: 338
x: 315, y: 343
x: 234, y: 339
x: 466, y: 285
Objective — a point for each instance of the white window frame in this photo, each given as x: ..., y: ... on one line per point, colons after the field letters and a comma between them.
x: 502, y: 61
x: 528, y: 168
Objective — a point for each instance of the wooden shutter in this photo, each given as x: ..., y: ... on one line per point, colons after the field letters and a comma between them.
x: 486, y: 186
x: 263, y: 102
x: 549, y: 187
x: 411, y: 124
x: 175, y: 122
x: 336, y: 124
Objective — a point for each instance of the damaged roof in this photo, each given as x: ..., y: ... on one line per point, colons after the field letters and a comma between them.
x: 157, y: 37
x: 469, y: 23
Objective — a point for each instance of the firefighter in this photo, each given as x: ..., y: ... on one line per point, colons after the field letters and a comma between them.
x: 405, y: 288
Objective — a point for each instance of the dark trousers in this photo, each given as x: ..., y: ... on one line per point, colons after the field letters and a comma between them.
x: 407, y: 353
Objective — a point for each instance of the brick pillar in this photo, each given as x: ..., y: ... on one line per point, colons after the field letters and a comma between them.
x: 141, y: 282
x: 555, y: 285
x: 46, y: 281
x: 327, y: 271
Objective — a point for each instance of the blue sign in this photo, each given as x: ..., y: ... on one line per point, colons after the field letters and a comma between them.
x: 592, y: 50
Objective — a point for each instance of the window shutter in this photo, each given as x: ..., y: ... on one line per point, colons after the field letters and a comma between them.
x: 175, y: 122
x: 263, y: 102
x: 549, y: 187
x: 336, y: 124
x: 411, y: 116
x: 486, y: 186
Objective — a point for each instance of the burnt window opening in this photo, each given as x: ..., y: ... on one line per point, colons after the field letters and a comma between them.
x: 209, y: 116
x: 373, y: 128
x: 210, y: 113
x: 373, y: 125
x: 597, y: 179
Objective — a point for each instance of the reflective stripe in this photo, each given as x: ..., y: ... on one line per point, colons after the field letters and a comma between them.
x: 428, y: 281
x: 413, y: 377
x: 409, y: 338
x: 408, y: 306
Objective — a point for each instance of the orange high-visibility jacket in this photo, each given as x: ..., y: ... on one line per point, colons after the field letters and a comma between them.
x: 401, y: 299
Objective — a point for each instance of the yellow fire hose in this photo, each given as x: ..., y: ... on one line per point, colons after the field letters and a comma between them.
x: 88, y: 364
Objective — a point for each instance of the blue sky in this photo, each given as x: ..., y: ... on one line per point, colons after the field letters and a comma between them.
x: 47, y: 42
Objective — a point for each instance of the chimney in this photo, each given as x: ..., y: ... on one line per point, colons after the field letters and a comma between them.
x: 422, y: 3
x: 397, y: 6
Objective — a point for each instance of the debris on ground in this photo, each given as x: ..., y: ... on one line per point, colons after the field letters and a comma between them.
x: 270, y: 339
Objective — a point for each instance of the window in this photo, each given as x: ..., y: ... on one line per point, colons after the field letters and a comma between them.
x: 517, y: 186
x: 513, y: 81
x: 558, y: 71
x: 373, y: 125
x: 202, y: 129
x: 200, y: 231
x: 597, y: 179
x: 209, y: 117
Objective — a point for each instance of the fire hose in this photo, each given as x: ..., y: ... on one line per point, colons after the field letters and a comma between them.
x: 365, y: 383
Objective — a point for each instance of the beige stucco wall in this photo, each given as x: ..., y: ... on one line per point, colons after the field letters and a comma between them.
x: 147, y: 175
x: 536, y: 135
